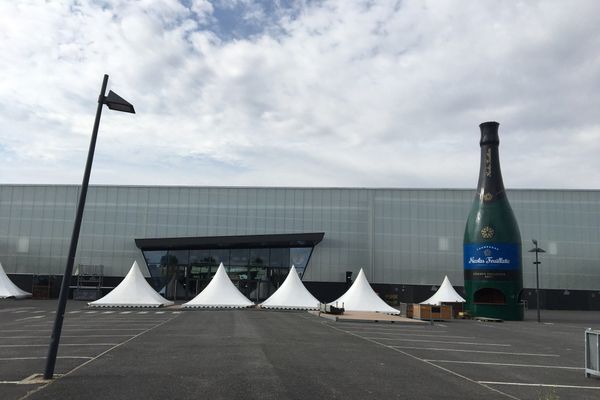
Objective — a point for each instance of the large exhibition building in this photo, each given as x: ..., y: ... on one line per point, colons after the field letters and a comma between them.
x: 406, y: 240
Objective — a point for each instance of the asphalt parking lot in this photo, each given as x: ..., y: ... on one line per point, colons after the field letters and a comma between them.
x: 248, y: 354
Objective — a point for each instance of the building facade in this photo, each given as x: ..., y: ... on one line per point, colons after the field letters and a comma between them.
x: 406, y: 240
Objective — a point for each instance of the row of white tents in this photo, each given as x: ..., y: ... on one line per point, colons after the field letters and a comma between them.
x: 134, y: 291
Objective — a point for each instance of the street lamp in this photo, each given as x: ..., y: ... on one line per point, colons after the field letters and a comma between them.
x: 537, y: 250
x: 114, y: 102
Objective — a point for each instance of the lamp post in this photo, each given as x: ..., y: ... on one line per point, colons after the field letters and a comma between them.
x: 114, y: 102
x: 537, y: 250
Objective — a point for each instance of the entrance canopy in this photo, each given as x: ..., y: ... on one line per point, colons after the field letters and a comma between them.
x: 231, y: 242
x: 256, y: 264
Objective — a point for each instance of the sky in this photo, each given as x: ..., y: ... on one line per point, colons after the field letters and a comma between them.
x: 345, y: 93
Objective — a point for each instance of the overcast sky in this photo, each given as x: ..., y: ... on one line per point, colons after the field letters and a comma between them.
x: 289, y: 93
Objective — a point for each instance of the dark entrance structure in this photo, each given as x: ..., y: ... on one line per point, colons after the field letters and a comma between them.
x: 257, y: 264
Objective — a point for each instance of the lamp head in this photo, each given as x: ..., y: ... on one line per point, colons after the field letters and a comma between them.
x: 117, y: 103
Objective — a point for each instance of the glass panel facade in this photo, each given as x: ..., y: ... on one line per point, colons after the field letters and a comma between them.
x: 299, y: 258
x: 256, y: 272
x: 398, y: 236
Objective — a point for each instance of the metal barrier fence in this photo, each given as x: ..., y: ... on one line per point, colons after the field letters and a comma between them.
x: 592, y: 352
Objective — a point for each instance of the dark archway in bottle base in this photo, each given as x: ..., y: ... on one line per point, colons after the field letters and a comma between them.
x: 489, y: 296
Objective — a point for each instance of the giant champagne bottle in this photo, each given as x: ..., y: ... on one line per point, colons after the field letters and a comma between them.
x: 492, y: 242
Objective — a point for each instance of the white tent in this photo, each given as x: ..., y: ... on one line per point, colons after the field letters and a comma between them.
x: 133, y: 291
x: 361, y: 297
x: 9, y: 289
x: 445, y: 294
x: 219, y: 293
x: 291, y: 295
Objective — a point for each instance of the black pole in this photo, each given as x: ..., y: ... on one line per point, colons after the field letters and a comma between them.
x: 537, y: 283
x: 66, y: 281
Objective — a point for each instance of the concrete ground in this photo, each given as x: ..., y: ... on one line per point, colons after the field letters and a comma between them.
x: 248, y: 354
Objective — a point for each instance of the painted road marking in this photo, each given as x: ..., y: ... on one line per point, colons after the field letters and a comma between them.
x: 15, y: 309
x: 43, y: 358
x: 474, y: 351
x: 106, y: 329
x: 441, y: 341
x: 397, y: 349
x: 539, y: 385
x: 62, y: 336
x: 504, y: 364
x: 402, y: 333
x: 62, y: 344
x: 26, y: 318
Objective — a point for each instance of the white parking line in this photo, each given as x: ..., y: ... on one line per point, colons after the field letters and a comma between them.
x: 26, y: 318
x: 441, y: 341
x: 397, y: 349
x: 43, y: 358
x: 405, y: 333
x: 403, y: 328
x: 539, y: 385
x: 62, y: 336
x: 115, y: 346
x: 108, y: 312
x: 74, y: 312
x: 24, y: 337
x: 91, y: 312
x: 77, y: 330
x: 475, y: 351
x: 101, y: 323
x: 62, y: 344
x: 363, y: 325
x: 505, y: 364
x: 105, y: 329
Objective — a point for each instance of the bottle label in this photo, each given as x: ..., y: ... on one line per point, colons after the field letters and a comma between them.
x: 492, y: 261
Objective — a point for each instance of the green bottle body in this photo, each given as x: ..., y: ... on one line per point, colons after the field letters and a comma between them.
x: 492, y: 242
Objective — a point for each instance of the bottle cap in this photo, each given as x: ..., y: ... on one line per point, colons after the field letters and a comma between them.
x: 489, y: 133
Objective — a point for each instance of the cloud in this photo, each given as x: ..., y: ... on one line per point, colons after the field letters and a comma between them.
x: 335, y: 93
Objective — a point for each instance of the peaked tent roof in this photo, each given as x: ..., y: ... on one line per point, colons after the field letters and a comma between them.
x: 133, y: 291
x: 292, y: 295
x: 361, y: 297
x: 445, y: 294
x: 219, y: 293
x: 8, y: 288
